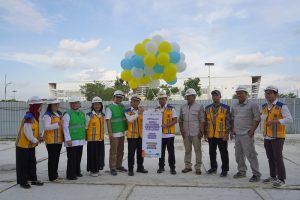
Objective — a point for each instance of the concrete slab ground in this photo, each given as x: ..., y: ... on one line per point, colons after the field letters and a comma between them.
x: 153, y: 185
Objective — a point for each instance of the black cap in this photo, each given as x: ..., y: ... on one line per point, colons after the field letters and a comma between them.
x: 216, y: 92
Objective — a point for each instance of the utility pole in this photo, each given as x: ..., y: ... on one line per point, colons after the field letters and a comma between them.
x: 209, y: 64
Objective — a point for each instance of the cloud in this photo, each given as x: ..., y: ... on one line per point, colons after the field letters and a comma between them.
x: 93, y: 73
x: 77, y: 46
x: 24, y: 14
x: 256, y: 59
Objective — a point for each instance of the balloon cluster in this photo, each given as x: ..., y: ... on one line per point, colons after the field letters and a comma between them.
x: 151, y: 61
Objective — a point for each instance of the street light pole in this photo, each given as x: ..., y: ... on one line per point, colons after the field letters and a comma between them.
x: 5, y: 86
x: 209, y: 64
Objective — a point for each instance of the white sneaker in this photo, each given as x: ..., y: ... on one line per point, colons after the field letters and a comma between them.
x: 94, y: 174
x: 278, y: 184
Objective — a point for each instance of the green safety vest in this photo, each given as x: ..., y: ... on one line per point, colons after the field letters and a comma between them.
x: 118, y: 119
x: 76, y: 125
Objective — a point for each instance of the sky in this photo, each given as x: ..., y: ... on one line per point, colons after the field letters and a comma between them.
x: 64, y: 40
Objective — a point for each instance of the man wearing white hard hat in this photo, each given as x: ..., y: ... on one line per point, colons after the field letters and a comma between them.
x: 218, y: 122
x: 245, y: 119
x: 134, y: 116
x: 28, y: 138
x: 169, y: 120
x: 116, y: 126
x: 191, y: 123
x: 275, y: 117
x: 74, y: 133
x: 53, y: 137
x: 95, y: 137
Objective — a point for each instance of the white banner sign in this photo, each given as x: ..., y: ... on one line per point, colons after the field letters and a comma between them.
x: 152, y: 134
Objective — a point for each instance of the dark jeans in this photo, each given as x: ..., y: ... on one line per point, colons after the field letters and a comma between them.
x: 74, y: 159
x: 169, y: 144
x: 93, y: 156
x: 135, y: 145
x: 274, y: 153
x: 25, y: 165
x: 53, y: 160
x: 222, y: 145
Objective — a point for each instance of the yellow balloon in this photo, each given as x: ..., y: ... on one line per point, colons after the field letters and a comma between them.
x: 164, y: 47
x: 145, y: 80
x: 149, y: 60
x: 126, y: 75
x: 156, y: 76
x: 169, y: 78
x: 146, y: 41
x: 163, y: 58
x: 139, y: 49
x: 170, y: 69
x: 133, y: 83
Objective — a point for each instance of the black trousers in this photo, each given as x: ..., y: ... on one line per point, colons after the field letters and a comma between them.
x: 93, y: 156
x: 53, y: 160
x: 169, y: 144
x: 274, y: 153
x: 74, y: 155
x: 102, y: 154
x: 135, y: 145
x: 222, y: 145
x: 25, y: 165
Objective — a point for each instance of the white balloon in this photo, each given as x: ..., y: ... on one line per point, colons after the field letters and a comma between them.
x: 154, y: 84
x: 129, y: 54
x: 182, y: 56
x: 157, y: 39
x: 175, y: 47
x: 181, y: 66
x: 137, y: 73
x: 148, y: 71
x: 151, y: 47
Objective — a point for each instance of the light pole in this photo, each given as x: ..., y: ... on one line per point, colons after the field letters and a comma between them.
x: 5, y: 84
x: 14, y: 91
x: 209, y: 64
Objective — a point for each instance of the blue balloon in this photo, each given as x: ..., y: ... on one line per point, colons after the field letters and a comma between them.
x: 174, y: 57
x: 126, y: 64
x: 158, y: 69
x: 172, y: 82
x: 138, y: 61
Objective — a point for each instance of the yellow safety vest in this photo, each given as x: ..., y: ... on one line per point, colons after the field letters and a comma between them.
x: 54, y: 136
x: 21, y: 140
x: 135, y: 129
x: 219, y: 130
x: 167, y: 118
x: 95, y: 131
x: 275, y: 130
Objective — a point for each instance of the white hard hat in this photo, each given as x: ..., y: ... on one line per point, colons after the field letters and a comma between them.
x: 136, y: 97
x: 162, y: 94
x: 241, y: 88
x: 52, y: 100
x: 74, y: 99
x: 272, y: 87
x: 96, y: 100
x: 118, y: 93
x: 35, y: 100
x: 190, y: 91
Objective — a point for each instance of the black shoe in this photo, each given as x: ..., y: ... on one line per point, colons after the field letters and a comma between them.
x: 122, y: 169
x: 130, y: 173
x: 72, y: 179
x: 25, y: 186
x: 38, y: 183
x: 198, y: 172
x: 223, y: 174
x: 212, y: 171
x: 254, y: 179
x: 186, y: 170
x: 113, y: 172
x: 239, y: 175
x: 142, y: 171
x: 173, y: 171
x: 160, y: 170
x: 79, y: 175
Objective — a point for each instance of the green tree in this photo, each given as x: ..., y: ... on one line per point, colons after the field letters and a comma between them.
x: 288, y: 95
x: 152, y: 93
x: 90, y: 90
x: 122, y: 85
x: 192, y: 83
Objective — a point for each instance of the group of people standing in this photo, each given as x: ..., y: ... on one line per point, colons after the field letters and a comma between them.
x: 216, y: 123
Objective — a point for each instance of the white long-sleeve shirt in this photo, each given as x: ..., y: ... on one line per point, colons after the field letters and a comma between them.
x: 29, y: 134
x: 66, y: 122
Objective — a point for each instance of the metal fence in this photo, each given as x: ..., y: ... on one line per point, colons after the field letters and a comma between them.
x: 11, y: 113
